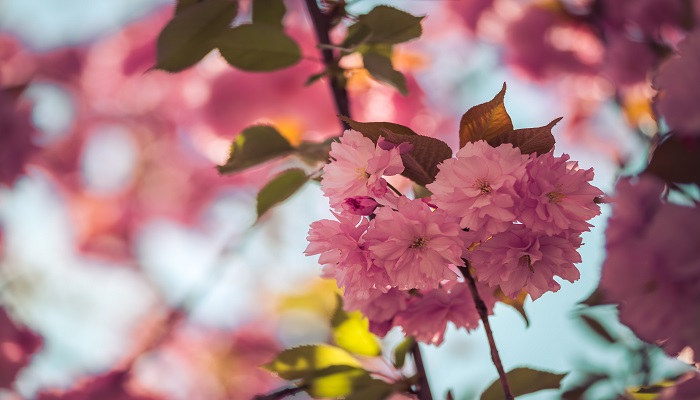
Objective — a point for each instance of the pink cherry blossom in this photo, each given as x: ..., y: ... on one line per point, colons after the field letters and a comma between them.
x: 558, y: 197
x: 360, y: 205
x: 16, y: 146
x: 415, y: 244
x: 427, y: 315
x: 17, y: 345
x: 344, y: 255
x: 521, y: 259
x: 652, y: 267
x: 357, y: 169
x: 679, y: 87
x: 479, y: 186
x: 379, y: 307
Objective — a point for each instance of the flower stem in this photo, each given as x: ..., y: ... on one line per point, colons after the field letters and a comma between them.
x: 423, y: 384
x: 483, y: 314
x: 322, y: 26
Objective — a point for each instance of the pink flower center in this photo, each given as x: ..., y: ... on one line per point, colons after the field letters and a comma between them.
x: 419, y: 243
x: 482, y: 185
x: 362, y: 173
x: 555, y: 196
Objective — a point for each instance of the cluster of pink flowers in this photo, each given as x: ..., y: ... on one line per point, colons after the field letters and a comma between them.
x: 516, y: 219
x: 653, y: 265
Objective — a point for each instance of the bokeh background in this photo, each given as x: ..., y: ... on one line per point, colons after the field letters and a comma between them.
x: 125, y: 250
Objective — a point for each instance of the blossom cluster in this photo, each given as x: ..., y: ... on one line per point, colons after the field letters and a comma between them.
x: 512, y: 220
x: 653, y: 266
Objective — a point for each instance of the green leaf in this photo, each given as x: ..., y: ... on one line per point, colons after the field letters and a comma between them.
x: 315, y: 77
x: 421, y: 162
x: 517, y: 303
x: 258, y: 47
x: 351, y: 332
x: 280, y: 188
x: 402, y: 349
x: 313, y: 152
x: 182, y: 5
x: 529, y: 140
x: 189, y: 36
x: 305, y: 362
x: 598, y: 328
x: 381, y: 69
x: 269, y: 12
x: 485, y: 121
x: 675, y: 161
x: 389, y: 25
x: 255, y: 145
x: 357, y: 34
x: 523, y: 381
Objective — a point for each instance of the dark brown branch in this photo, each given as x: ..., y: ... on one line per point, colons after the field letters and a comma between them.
x: 484, y: 315
x: 322, y: 26
x: 280, y: 394
x: 423, y: 392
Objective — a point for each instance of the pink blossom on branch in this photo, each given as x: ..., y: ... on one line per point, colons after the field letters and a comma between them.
x: 345, y: 256
x: 415, y: 244
x: 521, y: 259
x: 358, y: 168
x: 479, y: 186
x: 653, y: 265
x: 427, y: 315
x: 557, y: 196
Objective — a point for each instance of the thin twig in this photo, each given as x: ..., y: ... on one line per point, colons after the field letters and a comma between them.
x: 483, y: 314
x: 423, y: 392
x: 280, y: 394
x: 322, y: 26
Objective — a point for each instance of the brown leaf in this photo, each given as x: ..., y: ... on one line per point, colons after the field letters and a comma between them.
x: 517, y: 303
x: 529, y: 140
x: 676, y: 160
x: 485, y: 121
x: 421, y: 162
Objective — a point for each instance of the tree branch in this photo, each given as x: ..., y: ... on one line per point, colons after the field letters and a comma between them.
x: 280, y: 394
x: 322, y: 26
x: 483, y: 314
x: 423, y: 384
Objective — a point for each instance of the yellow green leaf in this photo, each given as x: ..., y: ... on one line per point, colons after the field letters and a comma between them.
x: 280, y: 188
x: 351, y: 332
x: 402, y: 349
x: 305, y: 361
x: 485, y: 121
x: 258, y: 48
x: 190, y: 34
x: 253, y: 146
x: 523, y: 381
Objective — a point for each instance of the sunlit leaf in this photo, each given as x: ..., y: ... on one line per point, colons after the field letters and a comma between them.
x: 421, y: 162
x: 318, y: 297
x: 674, y: 160
x: 280, y: 188
x: 523, y: 381
x: 379, y: 66
x: 190, y: 35
x: 402, y: 349
x: 351, y: 332
x: 485, y: 121
x: 517, y: 303
x: 258, y: 47
x: 336, y: 381
x: 255, y: 145
x: 390, y: 25
x: 598, y: 328
x: 529, y: 140
x: 269, y: 12
x: 305, y: 361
